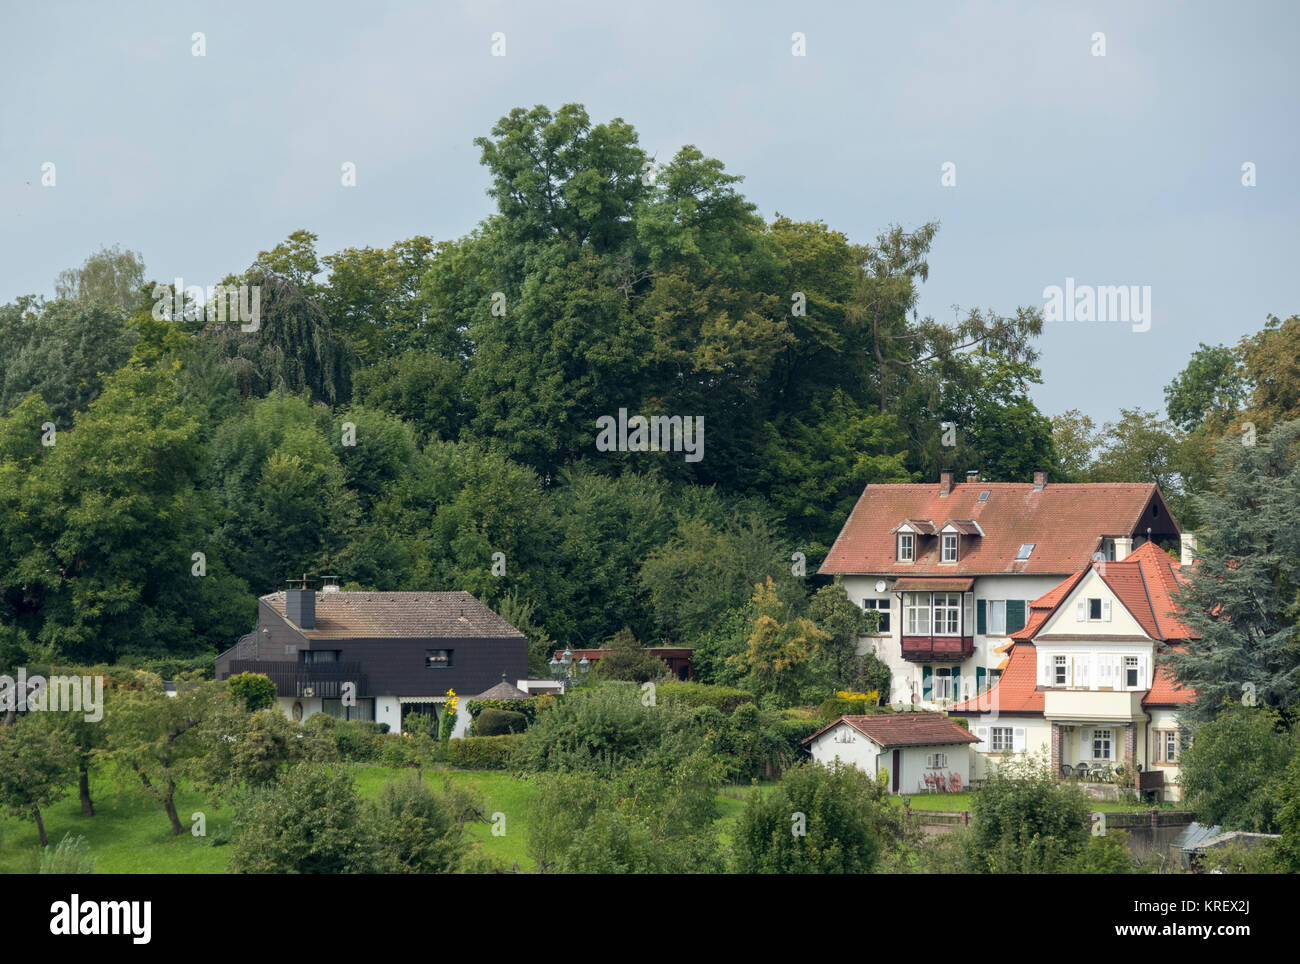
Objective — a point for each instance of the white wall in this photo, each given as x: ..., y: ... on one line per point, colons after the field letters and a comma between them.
x: 388, y: 710
x: 310, y: 707
x: 845, y: 744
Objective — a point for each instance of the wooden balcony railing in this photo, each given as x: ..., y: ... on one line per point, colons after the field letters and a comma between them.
x: 295, y: 680
x: 929, y: 649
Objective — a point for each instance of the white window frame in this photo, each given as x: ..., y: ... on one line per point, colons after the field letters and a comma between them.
x: 997, y: 617
x: 1136, y: 669
x: 1103, y: 740
x: 1001, y: 739
x: 947, y: 614
x: 883, y: 607
x: 1060, y: 671
x: 936, y: 761
x: 909, y: 540
x: 949, y: 542
x: 941, y: 683
x: 916, y: 607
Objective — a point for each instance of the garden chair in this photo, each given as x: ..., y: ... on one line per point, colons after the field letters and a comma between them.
x: 954, y: 783
x: 1067, y: 771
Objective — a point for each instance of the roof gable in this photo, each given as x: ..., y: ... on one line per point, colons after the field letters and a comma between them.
x: 903, y: 729
x: 398, y: 615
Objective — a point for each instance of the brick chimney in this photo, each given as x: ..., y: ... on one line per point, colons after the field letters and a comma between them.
x: 1040, y: 481
x: 945, y: 483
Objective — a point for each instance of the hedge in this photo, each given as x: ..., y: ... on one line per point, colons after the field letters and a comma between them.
x: 478, y: 752
x: 497, y: 722
x: 722, y: 698
x: 525, y: 705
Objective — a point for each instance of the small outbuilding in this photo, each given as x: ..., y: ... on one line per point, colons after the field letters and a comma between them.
x: 918, y: 751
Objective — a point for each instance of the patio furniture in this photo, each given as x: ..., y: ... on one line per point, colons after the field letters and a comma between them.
x: 954, y: 783
x: 1067, y: 771
x: 1105, y: 774
x: 1084, y: 772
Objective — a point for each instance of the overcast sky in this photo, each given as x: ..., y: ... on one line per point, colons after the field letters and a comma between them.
x: 1117, y: 169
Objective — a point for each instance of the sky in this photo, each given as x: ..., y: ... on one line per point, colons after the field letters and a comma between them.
x: 1114, y: 167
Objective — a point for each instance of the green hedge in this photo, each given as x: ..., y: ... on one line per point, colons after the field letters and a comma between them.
x: 478, y: 752
x: 525, y: 705
x: 722, y: 698
x: 498, y: 722
x: 835, y: 707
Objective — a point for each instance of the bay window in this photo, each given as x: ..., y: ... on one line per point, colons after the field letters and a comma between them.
x: 947, y: 614
x: 916, y: 613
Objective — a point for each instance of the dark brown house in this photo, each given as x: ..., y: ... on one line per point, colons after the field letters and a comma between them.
x: 375, y: 655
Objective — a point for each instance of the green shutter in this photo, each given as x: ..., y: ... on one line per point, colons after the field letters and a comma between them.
x: 979, y: 679
x: 956, y: 682
x: 927, y: 685
x: 980, y: 625
x: 1015, y: 615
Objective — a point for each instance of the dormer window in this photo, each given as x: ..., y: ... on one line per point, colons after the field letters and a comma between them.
x: 906, y: 547
x: 949, y: 548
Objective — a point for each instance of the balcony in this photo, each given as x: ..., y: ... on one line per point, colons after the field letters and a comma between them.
x: 324, y: 680
x: 937, y: 649
x: 1093, y: 706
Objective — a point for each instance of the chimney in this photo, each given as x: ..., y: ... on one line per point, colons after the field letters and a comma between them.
x: 973, y: 475
x: 1123, y: 547
x: 1188, y: 547
x: 945, y: 483
x: 1040, y: 481
x: 300, y: 605
x: 331, y: 584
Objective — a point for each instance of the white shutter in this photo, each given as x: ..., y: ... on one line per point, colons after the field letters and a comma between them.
x: 1018, y: 739
x: 1080, y: 611
x: 983, y: 733
x: 1143, y: 681
x: 1105, y: 610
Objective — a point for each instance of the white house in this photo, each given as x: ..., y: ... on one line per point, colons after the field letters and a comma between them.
x: 1083, y: 680
x: 915, y: 750
x: 950, y: 568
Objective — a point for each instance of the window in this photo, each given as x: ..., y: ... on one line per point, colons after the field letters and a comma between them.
x: 1101, y: 745
x: 943, y: 683
x: 1131, y: 672
x: 363, y: 710
x: 1000, y: 740
x: 916, y: 613
x: 984, y: 496
x: 437, y: 658
x: 881, y: 608
x: 947, y: 614
x: 1061, y: 671
x: 1025, y: 550
x: 1166, y: 746
x: 1094, y: 609
x: 949, y: 547
x: 936, y: 761
x: 997, y: 617
x: 316, y: 657
x: 1108, y: 549
x: 906, y: 549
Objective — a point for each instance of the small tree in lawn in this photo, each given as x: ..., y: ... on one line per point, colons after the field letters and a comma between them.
x: 257, y: 691
x: 36, y: 768
x: 154, y: 737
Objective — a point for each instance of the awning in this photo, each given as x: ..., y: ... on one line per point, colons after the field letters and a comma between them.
x: 936, y: 584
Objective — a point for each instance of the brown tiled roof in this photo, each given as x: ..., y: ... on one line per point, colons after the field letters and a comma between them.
x: 1016, y: 690
x: 904, y: 729
x: 1064, y: 521
x: 412, y: 615
x: 503, y: 691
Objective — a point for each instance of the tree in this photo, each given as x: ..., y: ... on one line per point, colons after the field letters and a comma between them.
x: 843, y: 621
x: 1230, y: 771
x: 250, y: 749
x: 1241, y: 597
x: 625, y: 659
x: 1213, y: 385
x: 110, y: 276
x: 1025, y: 821
x: 420, y: 830
x: 254, y: 690
x: 1075, y: 439
x: 818, y: 820
x: 155, y: 737
x: 782, y: 648
x: 1270, y: 361
x: 36, y: 767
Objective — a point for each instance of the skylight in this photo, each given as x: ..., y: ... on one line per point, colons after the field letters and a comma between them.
x: 984, y: 496
x: 1025, y: 550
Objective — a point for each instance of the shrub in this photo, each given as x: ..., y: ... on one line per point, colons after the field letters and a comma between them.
x: 498, y: 722
x: 419, y: 830
x: 1025, y: 821
x: 257, y: 691
x: 819, y: 820
x: 358, y: 741
x: 70, y: 856
x: 528, y: 706
x: 1103, y: 855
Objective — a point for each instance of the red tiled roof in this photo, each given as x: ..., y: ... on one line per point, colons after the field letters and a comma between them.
x: 1165, y: 690
x: 1016, y: 690
x: 904, y: 729
x: 1065, y: 522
